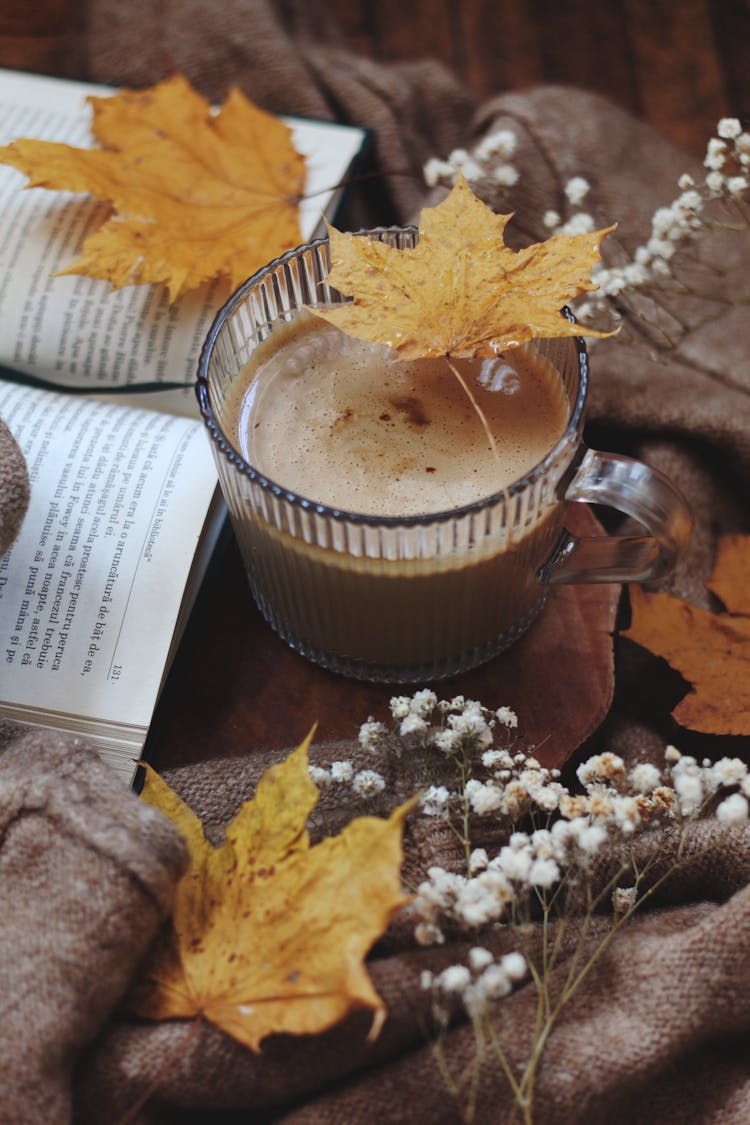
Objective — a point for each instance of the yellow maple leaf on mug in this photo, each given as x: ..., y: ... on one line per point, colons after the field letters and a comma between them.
x: 460, y: 291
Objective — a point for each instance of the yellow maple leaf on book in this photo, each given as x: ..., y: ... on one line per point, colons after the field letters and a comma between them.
x: 268, y: 933
x: 197, y: 194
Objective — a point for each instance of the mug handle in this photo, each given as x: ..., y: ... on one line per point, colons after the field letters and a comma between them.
x: 633, y: 488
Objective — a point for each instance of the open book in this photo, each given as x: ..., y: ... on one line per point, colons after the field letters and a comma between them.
x: 125, y: 508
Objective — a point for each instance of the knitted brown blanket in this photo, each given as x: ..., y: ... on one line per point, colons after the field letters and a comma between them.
x: 661, y: 1030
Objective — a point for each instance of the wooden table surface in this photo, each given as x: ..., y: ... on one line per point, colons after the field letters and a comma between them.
x: 679, y: 65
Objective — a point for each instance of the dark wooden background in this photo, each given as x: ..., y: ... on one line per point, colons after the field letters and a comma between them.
x: 679, y: 64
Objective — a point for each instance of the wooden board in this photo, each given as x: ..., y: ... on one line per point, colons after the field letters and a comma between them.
x: 236, y: 686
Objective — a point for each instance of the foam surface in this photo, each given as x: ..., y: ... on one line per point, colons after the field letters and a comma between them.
x: 349, y: 424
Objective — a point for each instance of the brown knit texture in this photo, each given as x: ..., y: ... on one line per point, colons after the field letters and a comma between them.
x: 87, y: 874
x: 661, y: 1030
x: 14, y: 488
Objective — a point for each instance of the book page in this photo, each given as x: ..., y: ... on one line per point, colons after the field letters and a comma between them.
x: 76, y: 331
x: 91, y: 590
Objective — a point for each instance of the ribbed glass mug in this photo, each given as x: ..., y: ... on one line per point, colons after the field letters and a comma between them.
x: 416, y: 598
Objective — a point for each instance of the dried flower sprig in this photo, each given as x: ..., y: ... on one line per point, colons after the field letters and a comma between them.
x: 489, y: 164
x: 661, y: 265
x: 563, y: 852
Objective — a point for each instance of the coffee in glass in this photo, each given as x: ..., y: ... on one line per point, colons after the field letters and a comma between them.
x: 384, y: 535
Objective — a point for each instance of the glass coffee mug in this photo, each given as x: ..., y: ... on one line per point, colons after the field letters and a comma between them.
x: 416, y: 598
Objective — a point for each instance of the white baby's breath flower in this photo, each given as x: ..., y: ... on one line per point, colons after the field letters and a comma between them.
x: 435, y: 801
x: 611, y: 281
x: 660, y: 267
x: 543, y: 873
x: 590, y: 838
x: 572, y: 806
x: 368, y: 783
x: 737, y: 185
x: 685, y: 181
x: 690, y: 201
x: 412, y: 728
x: 471, y: 723
x: 577, y: 189
x: 600, y: 803
x: 484, y: 798
x: 319, y: 776
x: 479, y: 958
x: 551, y: 219
x: 454, y: 979
x: 515, y: 865
x: 715, y: 182
x: 371, y: 734
x: 495, y: 983
x: 400, y: 706
x: 623, y: 899
x: 716, y: 153
x: 476, y: 903
x: 507, y: 717
x: 644, y: 777
x: 505, y: 175
x: 465, y: 163
x: 625, y: 814
x: 501, y: 143
x: 447, y: 741
x: 547, y: 796
x: 662, y: 221
x: 634, y: 274
x: 423, y: 703
x: 729, y: 128
x: 436, y: 170
x: 580, y: 223
x: 727, y: 771
x: 496, y: 759
x: 661, y: 248
x: 541, y: 842
x: 478, y: 860
x: 342, y: 771
x: 514, y: 965
x: 672, y: 754
x: 733, y: 810
x: 515, y: 798
x: 689, y: 789
x: 606, y: 766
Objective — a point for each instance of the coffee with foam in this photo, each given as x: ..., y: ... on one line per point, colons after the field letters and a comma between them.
x: 351, y: 425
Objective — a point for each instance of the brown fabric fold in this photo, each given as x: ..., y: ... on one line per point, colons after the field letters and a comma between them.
x: 684, y: 410
x: 668, y: 1000
x: 662, y: 1027
x: 87, y: 873
x: 290, y: 59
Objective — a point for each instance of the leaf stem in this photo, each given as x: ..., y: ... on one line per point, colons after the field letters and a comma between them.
x: 480, y: 413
